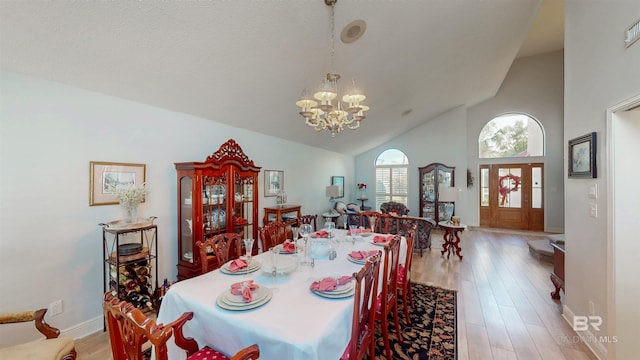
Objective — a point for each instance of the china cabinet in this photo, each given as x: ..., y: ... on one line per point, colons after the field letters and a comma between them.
x: 219, y: 195
x: 433, y: 178
x: 130, y: 252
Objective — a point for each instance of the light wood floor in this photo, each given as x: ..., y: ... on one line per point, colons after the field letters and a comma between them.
x: 504, y: 307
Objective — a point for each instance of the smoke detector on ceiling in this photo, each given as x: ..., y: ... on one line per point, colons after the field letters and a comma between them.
x: 353, y: 31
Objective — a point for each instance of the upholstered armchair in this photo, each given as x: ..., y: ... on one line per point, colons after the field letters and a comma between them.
x: 52, y: 347
x: 393, y: 207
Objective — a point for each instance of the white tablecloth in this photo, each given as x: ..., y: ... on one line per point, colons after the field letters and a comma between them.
x: 295, y: 324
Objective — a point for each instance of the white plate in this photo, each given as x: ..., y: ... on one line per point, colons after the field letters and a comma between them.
x: 221, y: 303
x: 379, y: 243
x: 254, y: 265
x: 331, y: 295
x: 357, y: 261
x: 281, y: 250
x: 284, y: 264
x: 367, y: 234
x: 236, y: 300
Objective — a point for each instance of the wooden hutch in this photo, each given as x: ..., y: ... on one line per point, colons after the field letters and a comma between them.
x: 219, y: 195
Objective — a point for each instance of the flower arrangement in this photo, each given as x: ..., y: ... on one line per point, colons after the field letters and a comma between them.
x: 362, y: 186
x: 130, y: 195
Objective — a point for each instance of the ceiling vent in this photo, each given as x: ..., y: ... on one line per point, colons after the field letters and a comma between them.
x: 632, y: 34
x: 353, y: 31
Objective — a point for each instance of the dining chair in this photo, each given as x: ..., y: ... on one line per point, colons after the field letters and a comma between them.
x: 308, y: 219
x: 273, y: 233
x: 387, y: 300
x: 385, y: 223
x: 404, y: 275
x: 366, y: 218
x: 129, y: 329
x: 363, y: 321
x: 224, y: 247
x: 52, y: 347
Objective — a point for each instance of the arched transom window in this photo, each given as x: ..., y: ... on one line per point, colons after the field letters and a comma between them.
x: 511, y: 135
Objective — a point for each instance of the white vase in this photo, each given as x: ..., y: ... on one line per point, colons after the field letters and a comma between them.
x: 363, y: 194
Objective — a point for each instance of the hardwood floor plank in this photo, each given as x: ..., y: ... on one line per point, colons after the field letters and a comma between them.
x: 522, y: 342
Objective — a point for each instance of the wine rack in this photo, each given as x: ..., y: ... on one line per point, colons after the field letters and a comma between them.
x: 130, y: 254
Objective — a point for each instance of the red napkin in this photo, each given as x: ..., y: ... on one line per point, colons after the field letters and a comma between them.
x: 361, y: 255
x: 330, y: 283
x: 322, y: 234
x: 237, y: 264
x: 289, y: 247
x: 382, y: 239
x: 244, y: 288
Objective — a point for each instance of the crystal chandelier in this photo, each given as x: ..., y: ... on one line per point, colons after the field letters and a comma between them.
x: 326, y: 115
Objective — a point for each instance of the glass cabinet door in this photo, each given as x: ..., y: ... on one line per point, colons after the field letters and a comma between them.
x: 428, y: 194
x: 186, y: 216
x: 244, y: 206
x: 214, y: 204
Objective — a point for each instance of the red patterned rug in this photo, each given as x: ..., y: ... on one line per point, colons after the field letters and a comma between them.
x: 432, y: 333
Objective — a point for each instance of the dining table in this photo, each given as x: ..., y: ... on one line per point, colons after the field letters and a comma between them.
x: 294, y: 323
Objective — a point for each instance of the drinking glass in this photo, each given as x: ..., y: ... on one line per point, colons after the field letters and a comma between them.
x: 305, y: 231
x: 353, y: 229
x: 329, y: 226
x: 248, y: 246
x: 345, y: 220
x: 372, y: 223
x: 274, y: 268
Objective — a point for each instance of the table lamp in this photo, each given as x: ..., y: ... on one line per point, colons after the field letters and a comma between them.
x: 449, y: 196
x: 332, y: 192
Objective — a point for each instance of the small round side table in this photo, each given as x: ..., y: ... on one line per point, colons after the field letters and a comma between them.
x: 451, y: 238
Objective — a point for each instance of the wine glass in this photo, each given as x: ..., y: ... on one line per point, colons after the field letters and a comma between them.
x: 353, y: 228
x: 329, y: 226
x: 345, y: 221
x: 372, y: 223
x: 248, y: 246
x: 305, y: 231
x: 274, y: 268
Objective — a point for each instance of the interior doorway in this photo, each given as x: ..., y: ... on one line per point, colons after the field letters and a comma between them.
x: 511, y: 196
x: 623, y: 216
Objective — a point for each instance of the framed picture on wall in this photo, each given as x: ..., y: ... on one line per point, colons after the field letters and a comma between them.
x: 339, y: 182
x: 104, y: 177
x: 273, y: 182
x: 582, y: 156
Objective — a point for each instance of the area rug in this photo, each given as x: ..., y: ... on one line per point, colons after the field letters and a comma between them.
x: 432, y: 333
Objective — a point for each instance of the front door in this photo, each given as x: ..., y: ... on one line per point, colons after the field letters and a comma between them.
x: 511, y: 196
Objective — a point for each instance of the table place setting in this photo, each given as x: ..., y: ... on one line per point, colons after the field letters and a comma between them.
x: 360, y: 256
x: 381, y: 240
x: 240, y: 267
x: 244, y: 295
x: 288, y: 248
x: 333, y: 287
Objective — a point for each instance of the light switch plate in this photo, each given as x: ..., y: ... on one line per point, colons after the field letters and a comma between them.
x: 593, y: 211
x: 593, y: 191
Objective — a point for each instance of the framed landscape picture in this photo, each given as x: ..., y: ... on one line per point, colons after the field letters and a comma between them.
x: 106, y: 176
x: 582, y: 156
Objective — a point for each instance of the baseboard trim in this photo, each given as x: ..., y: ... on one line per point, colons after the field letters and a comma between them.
x: 85, y: 328
x: 589, y: 339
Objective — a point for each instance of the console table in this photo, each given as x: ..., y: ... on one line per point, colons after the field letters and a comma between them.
x: 278, y: 211
x: 451, y: 238
x: 557, y: 276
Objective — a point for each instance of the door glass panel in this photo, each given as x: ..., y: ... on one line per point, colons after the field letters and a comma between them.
x: 484, y: 187
x: 536, y: 187
x: 509, y: 190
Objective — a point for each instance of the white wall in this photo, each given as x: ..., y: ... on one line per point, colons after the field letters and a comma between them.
x: 442, y: 140
x: 50, y: 241
x: 533, y: 86
x: 599, y: 73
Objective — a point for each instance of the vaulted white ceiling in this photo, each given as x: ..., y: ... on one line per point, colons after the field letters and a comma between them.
x: 245, y: 62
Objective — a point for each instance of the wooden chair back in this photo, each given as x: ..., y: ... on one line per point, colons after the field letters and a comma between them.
x: 366, y: 218
x: 309, y: 219
x: 385, y: 223
x: 129, y: 328
x: 274, y: 233
x: 388, y: 298
x: 404, y: 275
x: 363, y: 321
x: 217, y: 250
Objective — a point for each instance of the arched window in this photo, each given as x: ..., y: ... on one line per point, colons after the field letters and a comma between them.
x: 392, y: 168
x: 511, y: 135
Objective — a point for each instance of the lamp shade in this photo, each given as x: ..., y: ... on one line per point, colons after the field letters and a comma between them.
x: 448, y: 194
x: 332, y: 191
